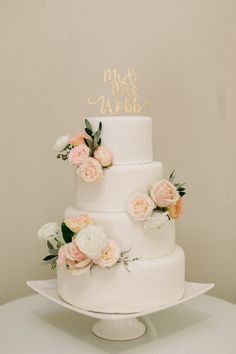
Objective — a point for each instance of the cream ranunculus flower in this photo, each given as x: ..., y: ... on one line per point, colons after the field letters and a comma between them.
x: 156, y: 221
x: 164, y: 193
x: 90, y: 170
x: 92, y: 241
x: 109, y: 256
x: 48, y: 231
x: 61, y: 143
x: 140, y: 206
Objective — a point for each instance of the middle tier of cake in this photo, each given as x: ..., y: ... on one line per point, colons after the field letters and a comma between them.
x: 142, y: 243
x: 117, y: 185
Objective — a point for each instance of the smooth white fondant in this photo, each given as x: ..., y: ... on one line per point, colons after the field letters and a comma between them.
x: 131, y: 235
x: 147, y: 284
x: 128, y: 137
x: 118, y: 183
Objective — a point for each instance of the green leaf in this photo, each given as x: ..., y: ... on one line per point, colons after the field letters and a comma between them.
x: 172, y: 176
x: 88, y: 125
x: 50, y: 246
x: 86, y: 142
x: 50, y: 261
x: 100, y: 127
x: 89, y: 132
x: 54, y: 252
x: 96, y: 139
x: 66, y: 233
x: 47, y: 258
x: 90, y: 144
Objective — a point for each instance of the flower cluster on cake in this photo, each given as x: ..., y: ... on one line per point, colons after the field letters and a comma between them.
x: 85, y: 151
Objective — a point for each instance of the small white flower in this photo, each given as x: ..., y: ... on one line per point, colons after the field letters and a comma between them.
x: 48, y: 231
x: 156, y: 221
x: 61, y: 143
x: 92, y: 241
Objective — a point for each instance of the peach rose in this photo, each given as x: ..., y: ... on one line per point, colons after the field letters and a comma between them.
x: 164, y: 193
x: 77, y: 223
x: 78, y: 154
x: 109, y: 256
x: 79, y: 139
x: 176, y: 210
x: 90, y: 171
x: 140, y: 206
x: 103, y: 155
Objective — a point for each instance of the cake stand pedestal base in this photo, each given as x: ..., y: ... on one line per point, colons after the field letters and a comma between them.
x: 119, y: 330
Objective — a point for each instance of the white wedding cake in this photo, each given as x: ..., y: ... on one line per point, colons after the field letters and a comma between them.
x: 131, y: 204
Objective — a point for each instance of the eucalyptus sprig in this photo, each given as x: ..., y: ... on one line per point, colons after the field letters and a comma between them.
x: 179, y: 186
x: 125, y: 259
x: 95, y: 136
x: 53, y: 253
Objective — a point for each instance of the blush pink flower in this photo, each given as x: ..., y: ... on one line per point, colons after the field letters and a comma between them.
x: 140, y: 206
x: 79, y: 154
x: 103, y: 155
x: 176, y: 210
x: 109, y: 256
x: 79, y: 139
x: 90, y: 171
x: 71, y: 256
x: 164, y: 193
x: 77, y: 223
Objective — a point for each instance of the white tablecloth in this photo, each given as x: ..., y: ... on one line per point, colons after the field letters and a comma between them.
x: 34, y: 325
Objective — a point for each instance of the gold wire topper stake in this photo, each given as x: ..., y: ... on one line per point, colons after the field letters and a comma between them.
x: 124, y: 91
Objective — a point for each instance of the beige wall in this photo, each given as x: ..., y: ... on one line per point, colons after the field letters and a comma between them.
x: 52, y: 53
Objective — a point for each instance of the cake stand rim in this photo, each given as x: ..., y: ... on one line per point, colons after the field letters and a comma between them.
x: 39, y: 287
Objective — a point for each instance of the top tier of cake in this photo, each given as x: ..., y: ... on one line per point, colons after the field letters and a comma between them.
x: 129, y: 138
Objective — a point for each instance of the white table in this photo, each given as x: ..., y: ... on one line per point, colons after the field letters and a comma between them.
x: 35, y: 325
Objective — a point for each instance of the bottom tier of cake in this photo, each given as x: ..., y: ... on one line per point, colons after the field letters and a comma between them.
x: 144, y: 285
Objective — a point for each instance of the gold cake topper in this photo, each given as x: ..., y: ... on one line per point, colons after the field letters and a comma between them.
x: 124, y: 91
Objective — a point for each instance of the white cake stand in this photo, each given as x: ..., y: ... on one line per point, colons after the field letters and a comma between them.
x: 116, y: 326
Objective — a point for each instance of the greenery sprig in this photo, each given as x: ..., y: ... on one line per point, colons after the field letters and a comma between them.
x: 125, y: 259
x: 96, y: 140
x: 179, y: 186
x: 53, y: 247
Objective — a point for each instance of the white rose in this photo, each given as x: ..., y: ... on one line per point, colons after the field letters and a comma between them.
x: 92, y: 241
x: 48, y: 231
x: 109, y: 256
x: 61, y: 143
x: 156, y: 221
x: 140, y: 206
